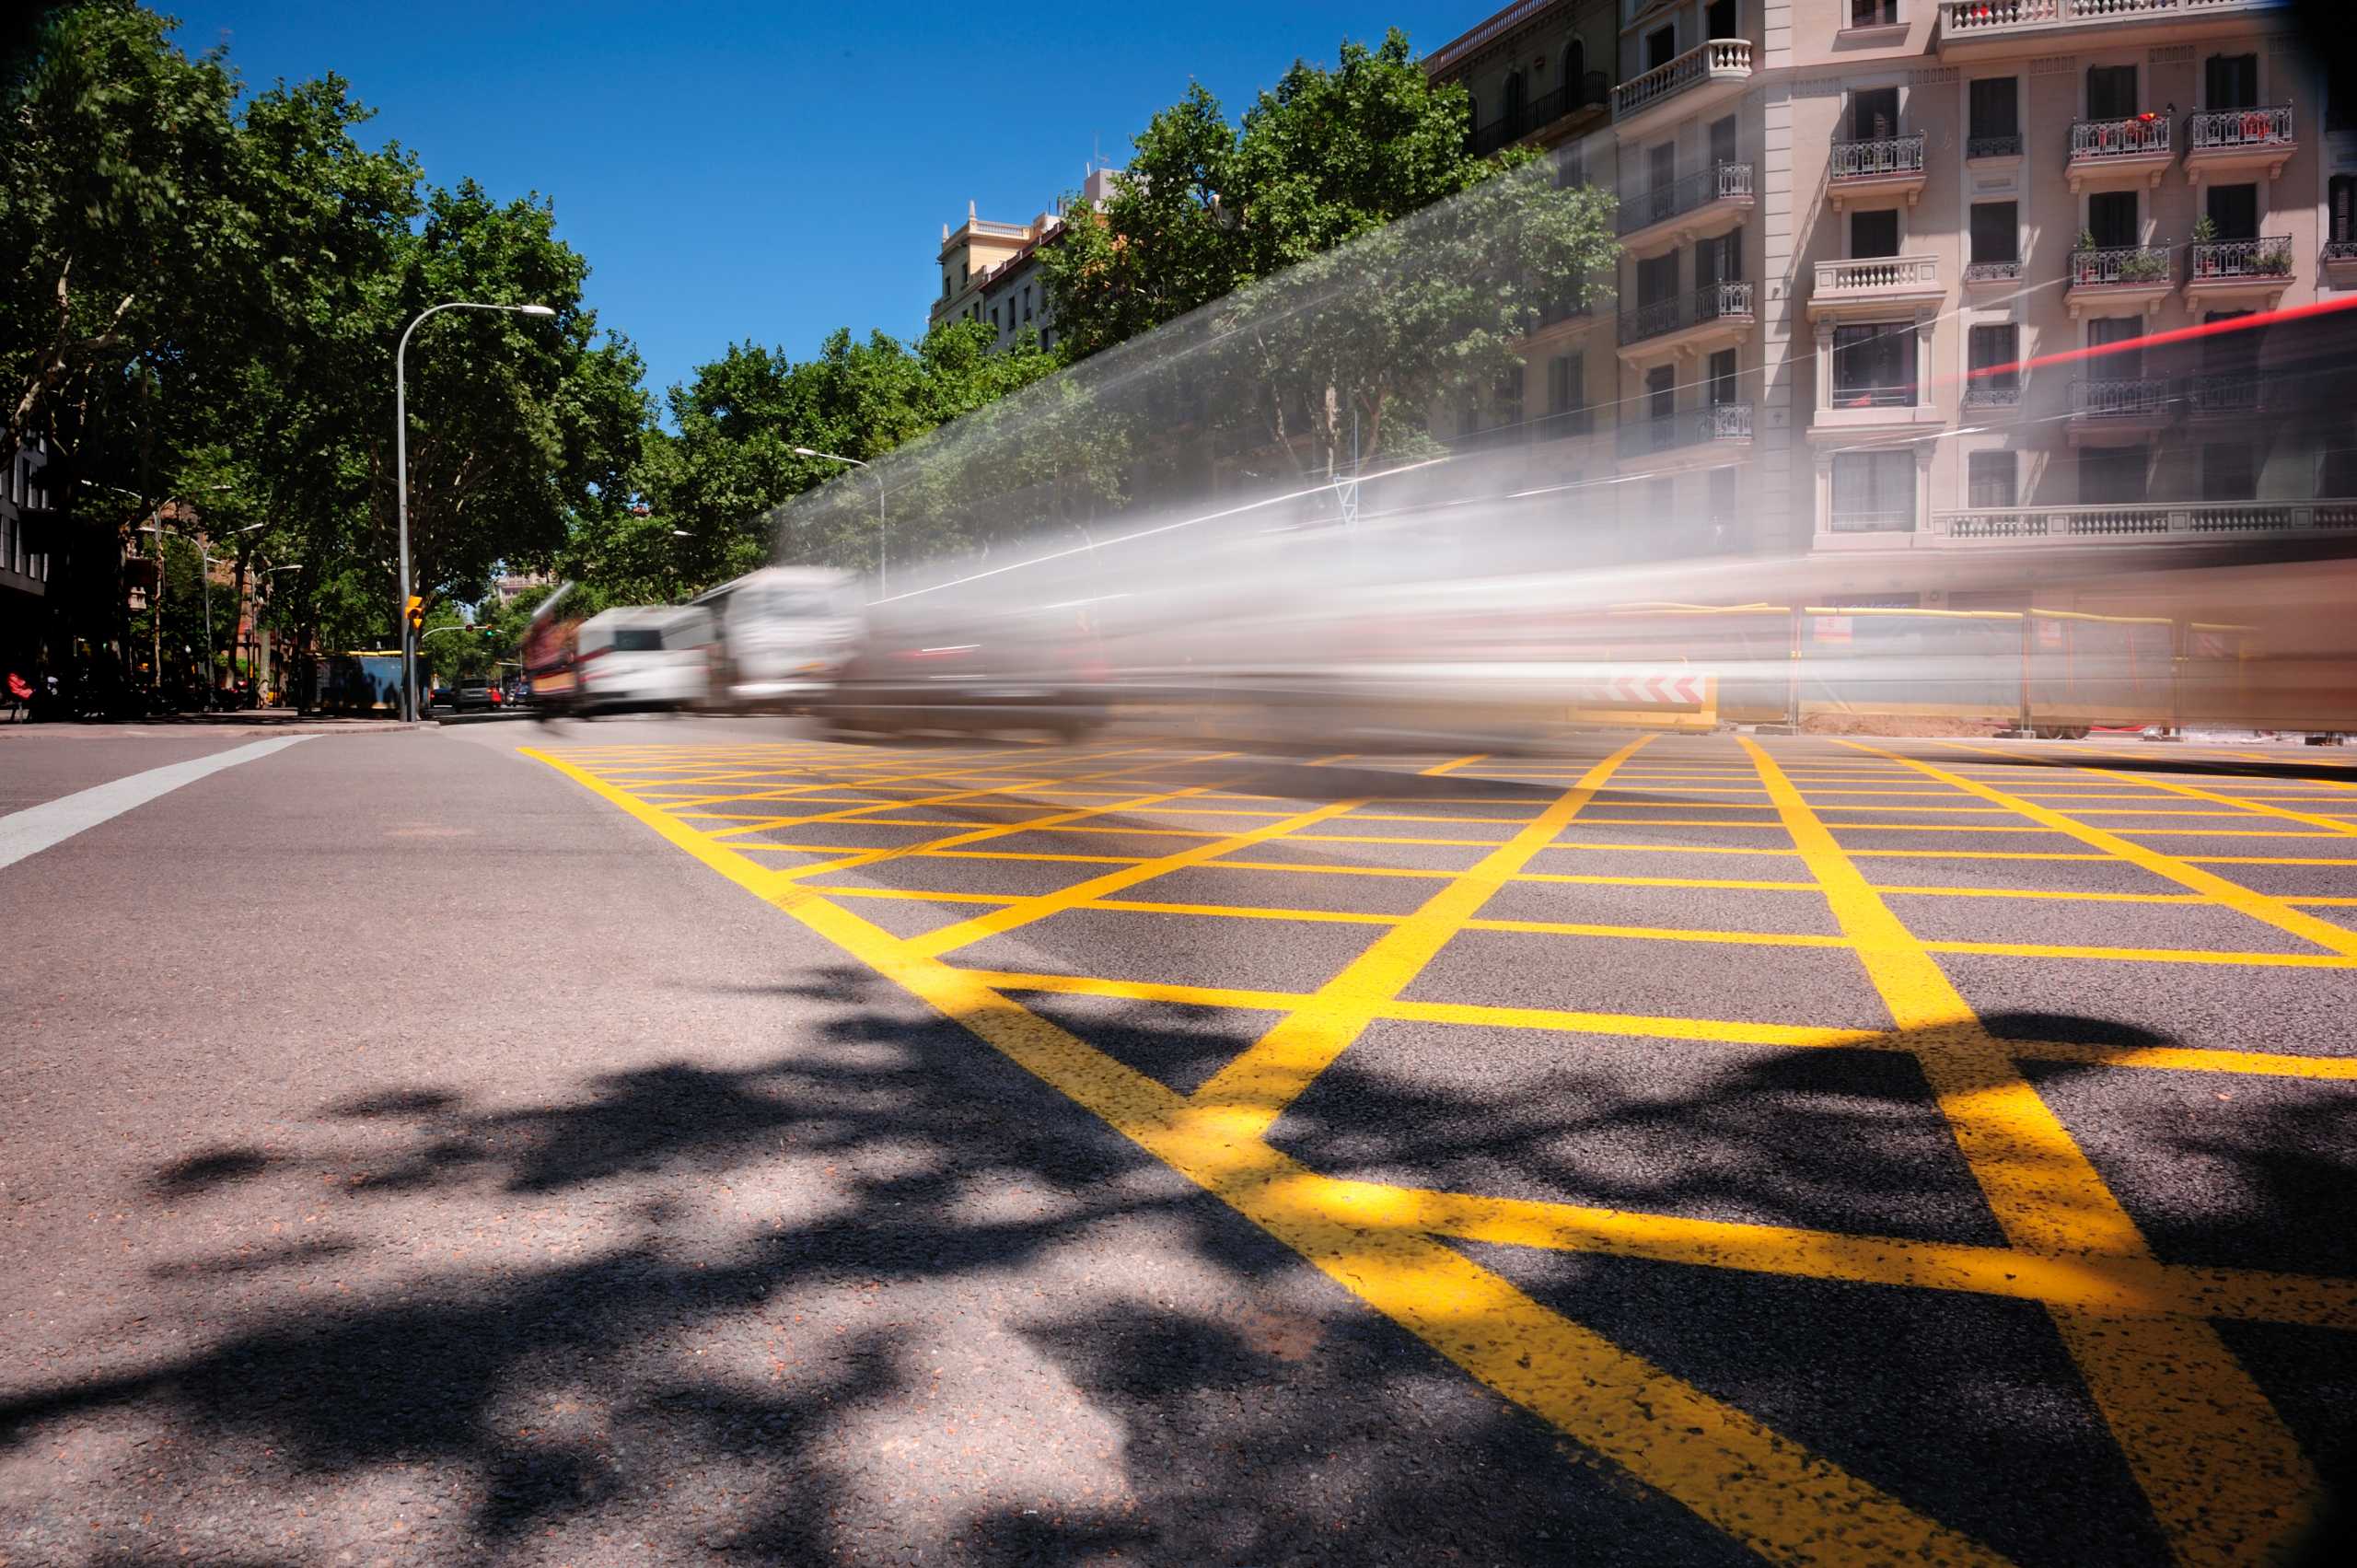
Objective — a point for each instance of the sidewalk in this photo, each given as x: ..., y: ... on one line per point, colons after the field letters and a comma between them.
x: 255, y: 721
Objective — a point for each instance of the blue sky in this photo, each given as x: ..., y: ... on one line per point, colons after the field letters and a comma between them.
x: 773, y: 172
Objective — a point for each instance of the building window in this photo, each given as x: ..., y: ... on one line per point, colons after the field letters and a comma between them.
x: 1873, y: 113
x: 1722, y: 377
x: 2234, y: 209
x: 1720, y: 20
x: 1996, y: 123
x: 1992, y: 482
x: 2227, y: 472
x: 1996, y: 233
x: 2230, y: 81
x: 1873, y: 492
x: 965, y: 274
x: 2123, y: 338
x: 1723, y: 140
x: 1725, y: 516
x: 1874, y: 366
x: 1661, y: 392
x: 1874, y: 13
x: 2337, y: 472
x: 1874, y: 232
x: 2342, y: 210
x: 2112, y: 219
x: 1993, y: 358
x: 2111, y: 92
x: 1567, y: 393
x: 2340, y: 93
x: 1656, y: 279
x: 2113, y: 476
x: 1661, y: 47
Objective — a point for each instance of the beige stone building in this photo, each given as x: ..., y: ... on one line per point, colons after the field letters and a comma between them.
x: 990, y: 271
x: 1877, y: 256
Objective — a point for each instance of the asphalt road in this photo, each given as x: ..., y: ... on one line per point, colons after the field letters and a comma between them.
x: 679, y: 1141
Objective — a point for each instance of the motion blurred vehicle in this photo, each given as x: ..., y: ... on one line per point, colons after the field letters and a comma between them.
x: 974, y: 668
x: 644, y: 657
x: 475, y: 694
x: 783, y: 635
x: 441, y: 697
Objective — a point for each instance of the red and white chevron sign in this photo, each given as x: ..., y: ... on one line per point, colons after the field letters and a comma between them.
x: 1658, y: 688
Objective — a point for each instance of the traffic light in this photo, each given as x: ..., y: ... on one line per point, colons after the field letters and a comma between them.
x: 416, y: 614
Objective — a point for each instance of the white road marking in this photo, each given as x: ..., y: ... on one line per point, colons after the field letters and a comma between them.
x: 36, y: 827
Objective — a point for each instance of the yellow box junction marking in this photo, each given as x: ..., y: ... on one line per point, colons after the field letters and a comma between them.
x: 1757, y: 1485
x: 2223, y: 1475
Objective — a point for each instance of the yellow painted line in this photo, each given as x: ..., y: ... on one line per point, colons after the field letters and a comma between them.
x: 2268, y: 859
x: 2149, y: 955
x: 926, y: 896
x: 1661, y: 933
x: 1253, y: 1089
x: 2332, y: 824
x: 1727, y: 883
x: 2125, y: 1286
x: 1239, y: 912
x: 1762, y: 1489
x: 2224, y: 1476
x: 2232, y: 895
x: 1043, y: 905
x: 2046, y: 893
x: 1711, y: 1031
x: 1330, y: 869
x: 1670, y: 849
x: 955, y: 767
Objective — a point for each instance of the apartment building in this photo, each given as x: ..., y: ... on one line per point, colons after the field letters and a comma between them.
x: 990, y: 272
x: 1876, y: 254
x: 25, y: 509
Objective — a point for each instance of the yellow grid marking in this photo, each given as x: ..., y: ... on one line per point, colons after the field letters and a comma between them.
x: 2222, y: 1473
x: 2125, y: 1315
x: 2175, y: 1059
x: 2232, y: 895
x: 1759, y: 1487
x: 1248, y: 1095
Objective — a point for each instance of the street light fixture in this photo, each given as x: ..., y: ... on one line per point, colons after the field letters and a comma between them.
x: 401, y: 466
x: 883, y: 527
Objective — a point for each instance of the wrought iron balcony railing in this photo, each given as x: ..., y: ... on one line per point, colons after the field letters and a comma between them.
x: 2233, y: 261
x: 1993, y: 272
x: 2224, y: 392
x: 1993, y: 391
x: 1591, y: 91
x: 2135, y: 397
x: 2121, y: 266
x: 2129, y: 136
x: 1688, y: 427
x: 2004, y: 144
x: 1712, y: 302
x: 1720, y: 183
x: 1877, y: 157
x: 2224, y: 130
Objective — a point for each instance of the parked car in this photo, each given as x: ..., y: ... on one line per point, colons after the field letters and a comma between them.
x: 644, y: 657
x: 441, y: 697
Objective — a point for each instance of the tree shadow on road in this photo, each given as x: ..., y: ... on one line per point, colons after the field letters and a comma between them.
x: 884, y: 1292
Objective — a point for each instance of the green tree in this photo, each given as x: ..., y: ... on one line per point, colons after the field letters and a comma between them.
x: 1352, y: 261
x: 732, y: 461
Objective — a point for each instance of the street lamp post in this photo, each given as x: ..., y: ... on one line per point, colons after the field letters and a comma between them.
x: 400, y: 462
x: 883, y: 528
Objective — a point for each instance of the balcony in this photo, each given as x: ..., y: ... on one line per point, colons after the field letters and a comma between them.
x: 1707, y: 75
x: 1711, y: 316
x: 2163, y: 522
x: 2136, y: 147
x: 1993, y: 391
x: 2228, y: 142
x: 2338, y: 264
x: 2139, y: 275
x: 1699, y: 206
x: 1692, y: 438
x: 2225, y: 394
x: 1591, y: 91
x: 1564, y: 425
x: 2239, y: 271
x: 1874, y: 286
x: 1992, y: 274
x: 1882, y: 166
x: 2002, y: 143
x: 1974, y: 28
x: 2117, y: 411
